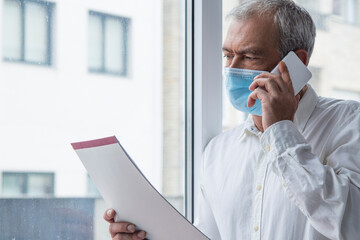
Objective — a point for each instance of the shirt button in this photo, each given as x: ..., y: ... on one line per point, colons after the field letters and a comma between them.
x: 258, y: 187
x: 283, y: 185
x: 256, y: 228
x: 267, y: 148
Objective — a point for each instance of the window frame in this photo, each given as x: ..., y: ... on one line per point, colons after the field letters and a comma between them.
x: 49, y: 6
x: 203, y: 88
x: 126, y: 23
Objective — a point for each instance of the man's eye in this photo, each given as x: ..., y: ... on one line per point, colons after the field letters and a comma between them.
x: 250, y: 58
x: 227, y: 56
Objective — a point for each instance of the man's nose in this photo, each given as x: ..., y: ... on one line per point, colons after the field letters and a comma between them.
x: 236, y: 62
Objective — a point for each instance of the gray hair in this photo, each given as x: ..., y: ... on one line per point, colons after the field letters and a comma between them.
x: 295, y: 25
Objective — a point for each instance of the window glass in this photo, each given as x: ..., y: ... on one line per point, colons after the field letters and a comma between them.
x: 12, y: 30
x: 40, y: 184
x: 136, y: 48
x: 108, y: 40
x: 21, y: 184
x: 335, y: 59
x: 114, y: 45
x: 95, y: 42
x: 26, y: 34
x: 13, y: 184
x: 35, y: 37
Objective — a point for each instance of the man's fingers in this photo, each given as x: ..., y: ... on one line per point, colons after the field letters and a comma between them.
x: 109, y: 215
x: 138, y: 235
x: 121, y: 227
x: 285, y: 75
x: 122, y: 230
x: 267, y: 83
x: 256, y: 94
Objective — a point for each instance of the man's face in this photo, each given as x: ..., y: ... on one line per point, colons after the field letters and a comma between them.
x: 252, y: 44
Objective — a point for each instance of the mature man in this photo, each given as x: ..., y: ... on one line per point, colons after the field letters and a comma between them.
x: 292, y: 170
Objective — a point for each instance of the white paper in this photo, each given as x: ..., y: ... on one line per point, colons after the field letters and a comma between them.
x: 124, y: 188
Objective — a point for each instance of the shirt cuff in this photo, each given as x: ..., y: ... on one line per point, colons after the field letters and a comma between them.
x: 281, y: 136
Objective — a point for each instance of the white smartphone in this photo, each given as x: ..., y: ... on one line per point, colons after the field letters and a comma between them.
x: 299, y: 73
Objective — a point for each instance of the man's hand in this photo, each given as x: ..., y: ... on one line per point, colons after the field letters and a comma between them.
x: 122, y: 230
x: 276, y: 94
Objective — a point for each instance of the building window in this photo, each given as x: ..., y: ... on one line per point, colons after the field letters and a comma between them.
x: 23, y: 184
x: 108, y: 48
x: 27, y: 31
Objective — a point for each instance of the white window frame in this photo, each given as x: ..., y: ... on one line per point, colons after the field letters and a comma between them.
x: 204, y: 87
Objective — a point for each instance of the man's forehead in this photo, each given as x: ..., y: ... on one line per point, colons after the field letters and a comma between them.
x: 252, y: 24
x: 251, y: 35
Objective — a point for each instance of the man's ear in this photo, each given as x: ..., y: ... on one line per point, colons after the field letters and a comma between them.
x: 303, y: 55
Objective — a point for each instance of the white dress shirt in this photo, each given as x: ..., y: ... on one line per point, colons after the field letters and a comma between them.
x: 297, y: 180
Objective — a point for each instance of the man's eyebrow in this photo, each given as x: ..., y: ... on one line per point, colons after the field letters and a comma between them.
x: 225, y: 49
x: 254, y: 51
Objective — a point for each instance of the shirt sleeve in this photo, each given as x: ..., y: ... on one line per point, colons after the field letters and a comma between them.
x: 204, y: 218
x: 328, y: 194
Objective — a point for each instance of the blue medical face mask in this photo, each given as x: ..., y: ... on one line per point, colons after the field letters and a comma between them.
x: 237, y: 82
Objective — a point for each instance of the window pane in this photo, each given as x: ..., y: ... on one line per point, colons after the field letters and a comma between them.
x: 95, y: 42
x: 114, y: 45
x: 45, y: 109
x: 13, y: 184
x: 11, y: 30
x: 36, y: 32
x: 109, y: 34
x: 40, y: 185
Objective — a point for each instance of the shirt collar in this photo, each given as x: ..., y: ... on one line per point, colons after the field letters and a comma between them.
x: 249, y: 128
x: 306, y: 106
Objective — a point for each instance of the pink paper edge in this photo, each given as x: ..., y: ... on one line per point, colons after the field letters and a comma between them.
x: 94, y: 143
